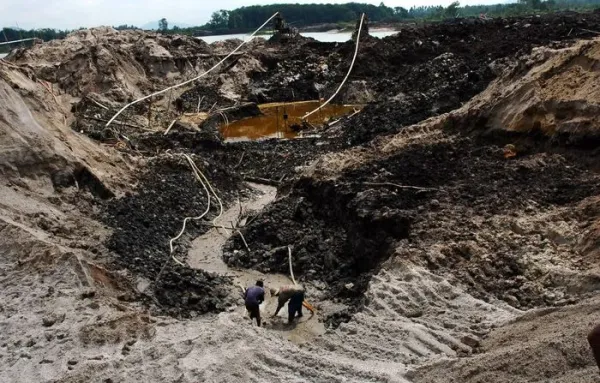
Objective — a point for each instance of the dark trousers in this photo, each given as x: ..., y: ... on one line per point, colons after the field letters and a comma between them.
x: 295, y: 306
x: 254, y: 310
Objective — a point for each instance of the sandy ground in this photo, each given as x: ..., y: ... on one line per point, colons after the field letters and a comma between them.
x: 74, y: 335
x: 64, y: 317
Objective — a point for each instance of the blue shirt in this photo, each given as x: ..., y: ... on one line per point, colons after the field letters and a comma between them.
x: 254, y: 295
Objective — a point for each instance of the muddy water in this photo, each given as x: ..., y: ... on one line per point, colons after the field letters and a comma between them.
x: 277, y: 120
x: 206, y: 254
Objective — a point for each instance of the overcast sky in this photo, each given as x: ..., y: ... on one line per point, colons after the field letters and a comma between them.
x: 69, y: 14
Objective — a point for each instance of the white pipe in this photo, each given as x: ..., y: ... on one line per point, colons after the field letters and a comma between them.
x: 186, y: 219
x: 290, y: 260
x: 191, y: 80
x: 16, y: 41
x: 347, y: 74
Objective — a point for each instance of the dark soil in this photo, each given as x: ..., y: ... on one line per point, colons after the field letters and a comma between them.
x: 145, y: 220
x: 342, y: 230
x: 427, y: 71
x: 270, y: 159
x: 208, y: 95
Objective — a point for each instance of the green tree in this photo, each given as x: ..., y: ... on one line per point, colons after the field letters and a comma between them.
x: 163, y: 25
x: 401, y: 13
x: 219, y: 19
x: 452, y: 9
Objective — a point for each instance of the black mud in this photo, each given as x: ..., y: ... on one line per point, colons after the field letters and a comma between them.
x: 342, y: 230
x: 145, y: 220
x: 427, y: 71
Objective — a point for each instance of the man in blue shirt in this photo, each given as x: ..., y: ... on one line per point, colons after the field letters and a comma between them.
x: 253, y: 297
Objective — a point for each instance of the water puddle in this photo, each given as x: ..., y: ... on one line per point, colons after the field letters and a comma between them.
x: 278, y: 118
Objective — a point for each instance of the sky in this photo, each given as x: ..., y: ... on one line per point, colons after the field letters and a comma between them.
x: 71, y: 14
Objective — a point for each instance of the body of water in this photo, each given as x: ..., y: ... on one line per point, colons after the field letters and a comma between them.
x: 3, y: 55
x: 329, y: 37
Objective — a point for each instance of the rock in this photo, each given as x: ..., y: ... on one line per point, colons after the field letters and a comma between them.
x: 512, y: 300
x: 471, y: 341
x: 88, y: 293
x: 550, y: 297
x: 51, y: 319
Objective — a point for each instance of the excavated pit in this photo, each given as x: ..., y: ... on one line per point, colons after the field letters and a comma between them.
x: 430, y: 251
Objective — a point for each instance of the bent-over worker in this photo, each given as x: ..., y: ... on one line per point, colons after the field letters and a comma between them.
x: 293, y: 293
x: 253, y: 297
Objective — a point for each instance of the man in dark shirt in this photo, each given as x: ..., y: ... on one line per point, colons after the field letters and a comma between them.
x: 253, y: 297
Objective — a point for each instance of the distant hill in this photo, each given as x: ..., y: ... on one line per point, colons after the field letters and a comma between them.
x: 153, y: 25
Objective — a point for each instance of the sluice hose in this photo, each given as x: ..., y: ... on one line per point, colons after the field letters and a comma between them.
x: 347, y: 74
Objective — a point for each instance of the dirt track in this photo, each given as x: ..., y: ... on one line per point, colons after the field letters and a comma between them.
x: 461, y: 248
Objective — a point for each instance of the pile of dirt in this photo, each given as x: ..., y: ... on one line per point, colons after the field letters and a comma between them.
x: 269, y: 159
x: 36, y: 141
x: 439, y: 193
x: 550, y: 93
x: 294, y: 71
x: 145, y: 220
x: 548, y: 345
x: 207, y: 97
x: 116, y: 65
x: 342, y: 229
x: 423, y: 72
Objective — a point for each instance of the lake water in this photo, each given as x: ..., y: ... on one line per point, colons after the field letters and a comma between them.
x: 3, y: 55
x: 329, y: 37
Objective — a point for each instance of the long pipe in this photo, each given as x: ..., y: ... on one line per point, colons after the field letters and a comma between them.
x: 362, y: 18
x: 195, y: 78
x: 16, y: 41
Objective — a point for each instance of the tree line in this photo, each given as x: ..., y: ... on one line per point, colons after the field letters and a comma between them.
x: 300, y: 15
x: 246, y: 19
x: 12, y: 34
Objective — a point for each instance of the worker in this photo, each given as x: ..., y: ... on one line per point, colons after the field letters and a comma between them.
x: 295, y: 295
x: 253, y: 297
x: 594, y: 341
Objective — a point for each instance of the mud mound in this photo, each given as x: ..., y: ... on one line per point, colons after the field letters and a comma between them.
x: 145, y: 221
x: 556, y: 98
x: 274, y: 159
x: 550, y: 357
x: 35, y: 140
x: 431, y: 70
x: 342, y: 229
x: 119, y: 65
x: 205, y: 96
x: 294, y: 71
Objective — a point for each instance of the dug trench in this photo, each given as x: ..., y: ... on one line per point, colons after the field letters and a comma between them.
x: 145, y: 221
x: 343, y: 229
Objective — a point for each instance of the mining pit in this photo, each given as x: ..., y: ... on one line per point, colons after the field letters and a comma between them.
x: 442, y: 210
